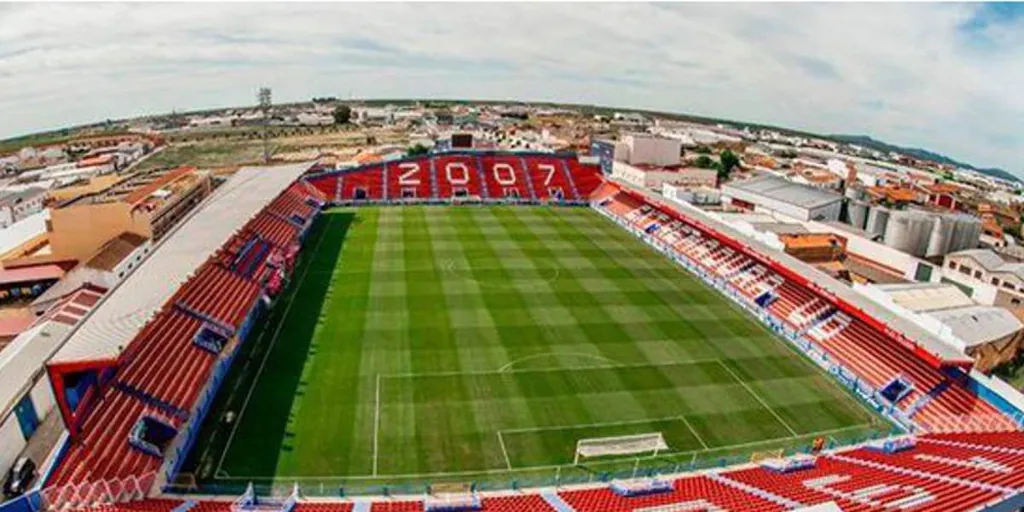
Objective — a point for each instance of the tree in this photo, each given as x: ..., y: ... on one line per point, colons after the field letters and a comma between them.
x: 729, y: 161
x: 704, y: 162
x: 416, y: 150
x: 342, y: 114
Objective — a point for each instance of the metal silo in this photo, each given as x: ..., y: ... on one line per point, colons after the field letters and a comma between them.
x: 909, y: 231
x: 878, y: 218
x: 941, y: 235
x: 966, y: 233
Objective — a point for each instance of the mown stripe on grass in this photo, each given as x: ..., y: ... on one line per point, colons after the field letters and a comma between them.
x: 508, y: 303
x: 332, y: 402
x: 480, y: 343
x: 444, y: 440
x: 614, y: 341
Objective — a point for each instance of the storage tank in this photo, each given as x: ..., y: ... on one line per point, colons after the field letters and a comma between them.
x: 966, y: 232
x: 878, y: 217
x: 909, y: 231
x: 941, y: 236
x: 857, y: 214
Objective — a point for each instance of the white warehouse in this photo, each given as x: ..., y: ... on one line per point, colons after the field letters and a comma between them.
x: 772, y: 194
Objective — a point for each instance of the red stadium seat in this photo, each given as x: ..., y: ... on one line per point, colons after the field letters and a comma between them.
x: 505, y: 177
x: 549, y: 177
x: 411, y: 179
x: 458, y: 176
x: 694, y: 493
x: 366, y: 184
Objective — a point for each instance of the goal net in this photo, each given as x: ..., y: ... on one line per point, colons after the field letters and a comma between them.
x: 619, y: 445
x: 451, y: 497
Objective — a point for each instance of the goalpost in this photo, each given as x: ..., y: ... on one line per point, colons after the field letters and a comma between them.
x: 620, y: 445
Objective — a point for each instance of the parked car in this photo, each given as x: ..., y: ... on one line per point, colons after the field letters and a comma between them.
x: 19, y: 477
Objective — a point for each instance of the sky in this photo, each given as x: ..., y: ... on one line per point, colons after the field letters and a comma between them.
x: 945, y: 77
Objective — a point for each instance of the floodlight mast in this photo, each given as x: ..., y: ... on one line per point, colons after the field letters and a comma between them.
x: 264, y: 96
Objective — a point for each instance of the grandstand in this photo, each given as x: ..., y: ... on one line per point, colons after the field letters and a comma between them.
x: 513, y: 177
x: 136, y: 379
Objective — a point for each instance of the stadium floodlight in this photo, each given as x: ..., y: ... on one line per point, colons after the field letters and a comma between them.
x: 619, y: 445
x: 264, y: 97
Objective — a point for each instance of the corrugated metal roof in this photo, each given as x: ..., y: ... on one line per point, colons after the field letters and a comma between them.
x: 127, y: 308
x: 785, y: 191
x: 977, y: 325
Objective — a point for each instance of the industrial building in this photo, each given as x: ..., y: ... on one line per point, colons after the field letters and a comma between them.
x: 986, y: 276
x: 652, y: 177
x: 773, y: 194
x: 990, y: 335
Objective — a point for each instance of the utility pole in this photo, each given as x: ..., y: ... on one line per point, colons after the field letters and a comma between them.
x: 264, y: 97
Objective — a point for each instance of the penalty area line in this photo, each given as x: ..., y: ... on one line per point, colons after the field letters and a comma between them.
x: 759, y: 399
x: 504, y: 451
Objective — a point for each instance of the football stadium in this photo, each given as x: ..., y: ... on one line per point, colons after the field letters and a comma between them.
x: 503, y: 331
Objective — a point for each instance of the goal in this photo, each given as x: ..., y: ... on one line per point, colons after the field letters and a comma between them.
x: 619, y: 445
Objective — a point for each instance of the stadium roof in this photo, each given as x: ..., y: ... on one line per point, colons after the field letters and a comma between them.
x: 785, y: 191
x: 926, y: 340
x: 126, y: 309
x: 977, y: 325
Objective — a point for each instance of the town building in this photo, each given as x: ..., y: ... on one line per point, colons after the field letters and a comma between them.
x: 986, y: 276
x: 18, y: 205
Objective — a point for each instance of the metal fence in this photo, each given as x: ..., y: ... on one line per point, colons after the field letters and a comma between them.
x: 515, y: 479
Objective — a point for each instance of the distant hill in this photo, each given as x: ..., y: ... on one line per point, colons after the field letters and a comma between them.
x: 923, y: 154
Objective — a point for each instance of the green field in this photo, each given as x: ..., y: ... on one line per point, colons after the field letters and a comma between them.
x: 417, y: 342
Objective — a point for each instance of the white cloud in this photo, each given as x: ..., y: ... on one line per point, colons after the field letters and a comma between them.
x: 945, y: 77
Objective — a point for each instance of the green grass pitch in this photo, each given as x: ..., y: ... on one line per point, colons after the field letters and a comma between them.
x: 426, y: 341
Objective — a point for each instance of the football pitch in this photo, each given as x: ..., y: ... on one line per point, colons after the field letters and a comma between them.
x: 431, y: 341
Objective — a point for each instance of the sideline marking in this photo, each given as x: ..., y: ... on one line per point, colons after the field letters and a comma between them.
x: 270, y: 348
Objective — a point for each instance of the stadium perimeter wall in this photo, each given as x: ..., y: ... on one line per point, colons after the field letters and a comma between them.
x: 1001, y: 395
x: 188, y: 434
